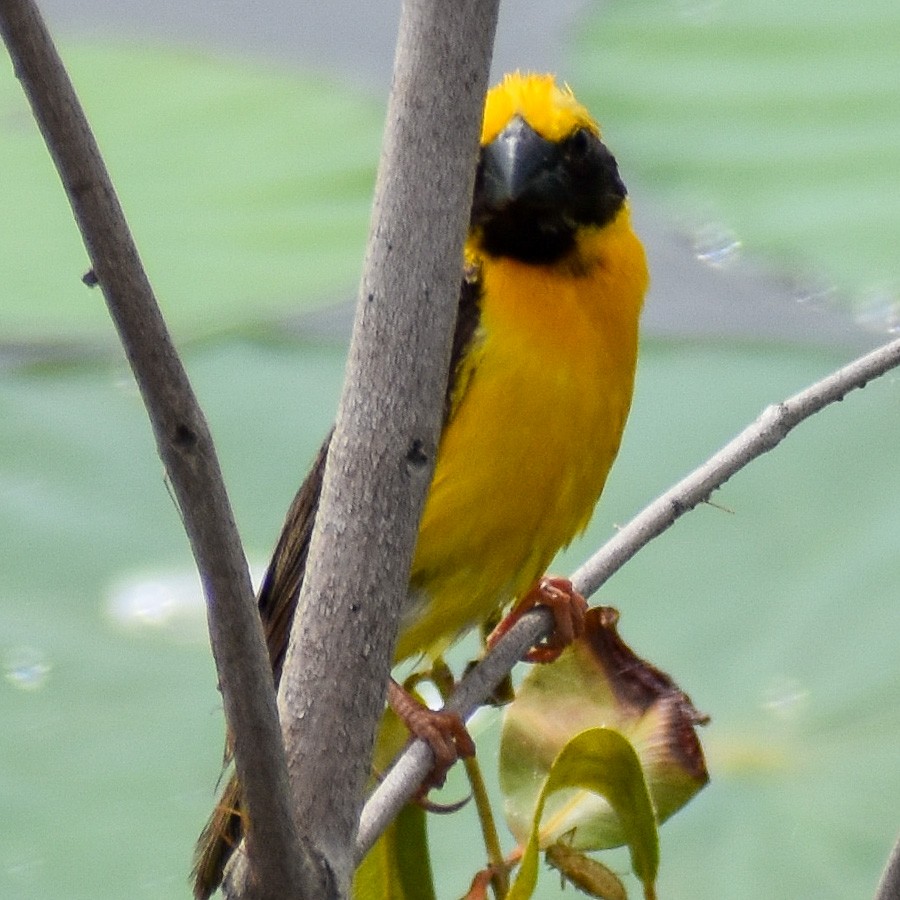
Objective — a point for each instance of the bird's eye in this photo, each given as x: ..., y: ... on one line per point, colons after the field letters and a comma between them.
x: 579, y: 144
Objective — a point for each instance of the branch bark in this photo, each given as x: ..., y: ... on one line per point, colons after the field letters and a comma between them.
x: 889, y: 884
x: 772, y: 426
x: 183, y: 441
x: 382, y: 452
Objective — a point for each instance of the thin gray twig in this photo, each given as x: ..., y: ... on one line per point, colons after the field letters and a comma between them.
x: 772, y: 426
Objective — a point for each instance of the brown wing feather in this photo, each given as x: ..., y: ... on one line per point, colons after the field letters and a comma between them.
x: 281, y: 586
x: 277, y: 603
x: 217, y: 841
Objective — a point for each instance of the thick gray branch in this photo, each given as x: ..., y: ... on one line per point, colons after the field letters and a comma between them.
x: 385, y: 440
x: 889, y: 885
x: 763, y: 435
x: 182, y: 438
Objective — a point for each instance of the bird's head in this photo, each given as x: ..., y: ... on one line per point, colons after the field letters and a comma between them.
x: 543, y: 172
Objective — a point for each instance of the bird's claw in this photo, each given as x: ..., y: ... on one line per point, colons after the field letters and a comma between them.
x: 566, y: 605
x: 443, y: 730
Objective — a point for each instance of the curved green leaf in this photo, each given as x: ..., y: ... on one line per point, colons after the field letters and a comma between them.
x: 603, y: 762
x: 598, y: 681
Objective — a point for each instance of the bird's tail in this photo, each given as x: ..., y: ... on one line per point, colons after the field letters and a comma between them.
x: 215, y: 845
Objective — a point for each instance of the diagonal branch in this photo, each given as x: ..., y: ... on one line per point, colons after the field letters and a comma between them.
x: 889, y: 884
x: 772, y: 426
x: 409, y: 771
x: 182, y: 437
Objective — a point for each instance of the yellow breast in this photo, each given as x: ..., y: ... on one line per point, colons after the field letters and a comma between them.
x: 524, y: 456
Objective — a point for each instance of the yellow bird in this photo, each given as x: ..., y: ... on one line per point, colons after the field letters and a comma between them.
x: 540, y: 386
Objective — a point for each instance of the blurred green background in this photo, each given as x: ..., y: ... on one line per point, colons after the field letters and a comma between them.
x: 761, y: 145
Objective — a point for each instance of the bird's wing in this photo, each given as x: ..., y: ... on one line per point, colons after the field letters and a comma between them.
x: 284, y: 577
x: 281, y: 586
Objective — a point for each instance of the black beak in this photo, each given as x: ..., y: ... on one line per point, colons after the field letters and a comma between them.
x: 519, y: 165
x: 531, y: 194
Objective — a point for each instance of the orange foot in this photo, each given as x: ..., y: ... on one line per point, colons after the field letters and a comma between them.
x: 443, y: 731
x: 568, y: 608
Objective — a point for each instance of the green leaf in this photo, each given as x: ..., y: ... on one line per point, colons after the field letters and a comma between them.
x: 603, y: 762
x: 599, y: 680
